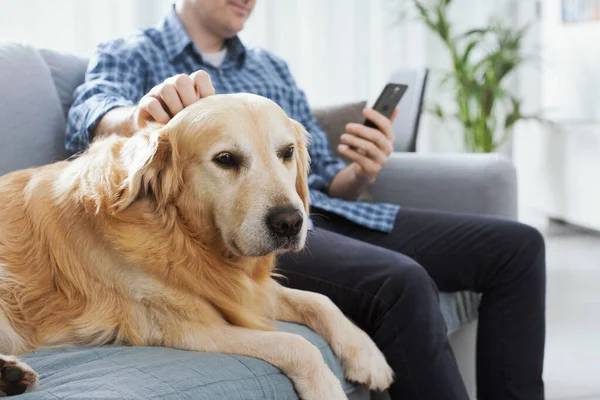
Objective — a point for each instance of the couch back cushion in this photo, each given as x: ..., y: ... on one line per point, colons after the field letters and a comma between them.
x: 333, y: 119
x: 68, y: 72
x: 32, y: 122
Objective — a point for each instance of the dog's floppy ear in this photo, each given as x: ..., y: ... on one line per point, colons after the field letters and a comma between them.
x: 150, y: 160
x: 302, y: 163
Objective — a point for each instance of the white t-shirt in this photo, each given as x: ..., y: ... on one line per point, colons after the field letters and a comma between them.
x: 214, y: 58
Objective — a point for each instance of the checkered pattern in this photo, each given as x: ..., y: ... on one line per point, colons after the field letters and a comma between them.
x: 123, y: 70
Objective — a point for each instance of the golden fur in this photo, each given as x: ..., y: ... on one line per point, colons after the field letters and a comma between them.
x: 145, y: 241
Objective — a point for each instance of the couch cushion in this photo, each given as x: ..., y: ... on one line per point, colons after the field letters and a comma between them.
x: 33, y: 125
x: 68, y: 72
x: 333, y: 119
x: 117, y: 372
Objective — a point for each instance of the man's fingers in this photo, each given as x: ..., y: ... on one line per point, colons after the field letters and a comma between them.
x: 368, y: 148
x: 173, y: 95
x: 384, y: 124
x: 203, y: 84
x: 169, y: 95
x: 155, y: 91
x: 394, y: 115
x: 154, y: 108
x: 370, y: 167
x: 372, y: 135
x: 185, y: 88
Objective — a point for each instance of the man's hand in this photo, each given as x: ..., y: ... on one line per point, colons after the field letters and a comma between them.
x: 369, y: 148
x: 164, y: 101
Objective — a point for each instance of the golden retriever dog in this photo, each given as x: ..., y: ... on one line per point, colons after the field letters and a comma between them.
x: 169, y: 238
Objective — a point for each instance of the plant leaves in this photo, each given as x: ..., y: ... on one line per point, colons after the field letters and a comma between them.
x: 424, y: 13
x: 449, y: 76
x: 515, y: 115
x: 480, y: 31
x: 443, y: 26
x: 481, y: 60
x: 472, y: 44
x: 438, y: 112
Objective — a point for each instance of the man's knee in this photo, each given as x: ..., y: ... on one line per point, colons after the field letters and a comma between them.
x: 532, y: 239
x: 528, y: 249
x: 406, y: 279
x: 534, y: 248
x: 519, y: 235
x: 411, y: 297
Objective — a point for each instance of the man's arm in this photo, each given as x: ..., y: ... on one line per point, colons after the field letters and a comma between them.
x: 118, y: 120
x: 112, y: 99
x: 330, y: 174
x: 113, y: 80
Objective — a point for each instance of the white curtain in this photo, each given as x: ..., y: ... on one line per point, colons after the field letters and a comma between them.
x: 75, y: 26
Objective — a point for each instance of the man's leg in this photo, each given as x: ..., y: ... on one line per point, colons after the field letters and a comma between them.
x: 502, y: 259
x: 393, y: 299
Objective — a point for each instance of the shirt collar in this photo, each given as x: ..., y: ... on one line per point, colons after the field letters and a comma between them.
x: 236, y: 51
x: 175, y: 37
x: 176, y: 40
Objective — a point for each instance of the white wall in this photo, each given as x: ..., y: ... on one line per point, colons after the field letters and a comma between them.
x: 559, y: 165
x: 571, y: 67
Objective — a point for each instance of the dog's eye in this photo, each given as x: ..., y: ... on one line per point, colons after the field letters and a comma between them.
x: 226, y: 160
x: 288, y: 153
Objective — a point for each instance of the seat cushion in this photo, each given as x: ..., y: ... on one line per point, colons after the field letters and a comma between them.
x: 117, y: 372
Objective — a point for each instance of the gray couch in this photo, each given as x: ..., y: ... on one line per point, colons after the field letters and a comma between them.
x: 36, y: 89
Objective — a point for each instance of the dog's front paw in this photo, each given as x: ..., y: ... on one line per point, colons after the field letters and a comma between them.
x: 363, y: 362
x: 319, y: 384
x: 16, y: 377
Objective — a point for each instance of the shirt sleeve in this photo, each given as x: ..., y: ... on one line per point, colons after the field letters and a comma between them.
x: 113, y: 79
x: 324, y: 165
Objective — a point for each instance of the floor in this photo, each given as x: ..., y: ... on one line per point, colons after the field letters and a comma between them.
x: 572, y: 366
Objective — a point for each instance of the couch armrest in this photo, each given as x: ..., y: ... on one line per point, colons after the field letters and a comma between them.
x: 473, y: 183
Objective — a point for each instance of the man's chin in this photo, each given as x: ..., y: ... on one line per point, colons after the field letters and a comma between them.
x: 237, y: 28
x: 230, y: 32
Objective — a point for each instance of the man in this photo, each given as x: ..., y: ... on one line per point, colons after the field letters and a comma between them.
x: 380, y: 264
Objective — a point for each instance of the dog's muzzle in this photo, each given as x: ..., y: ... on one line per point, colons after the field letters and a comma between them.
x: 285, y: 223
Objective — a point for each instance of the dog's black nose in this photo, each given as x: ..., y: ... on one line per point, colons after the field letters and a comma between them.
x: 285, y: 221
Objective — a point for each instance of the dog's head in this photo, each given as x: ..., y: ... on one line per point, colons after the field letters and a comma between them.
x: 233, y: 166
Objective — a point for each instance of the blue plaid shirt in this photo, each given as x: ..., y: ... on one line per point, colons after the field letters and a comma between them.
x: 123, y: 70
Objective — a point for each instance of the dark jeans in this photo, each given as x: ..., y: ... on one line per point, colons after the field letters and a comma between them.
x: 387, y: 283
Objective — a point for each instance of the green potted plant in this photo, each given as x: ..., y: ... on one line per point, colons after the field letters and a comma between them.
x: 481, y: 61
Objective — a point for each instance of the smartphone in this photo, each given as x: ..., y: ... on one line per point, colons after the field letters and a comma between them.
x: 387, y: 101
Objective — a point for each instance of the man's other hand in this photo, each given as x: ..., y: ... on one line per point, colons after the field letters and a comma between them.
x: 165, y: 100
